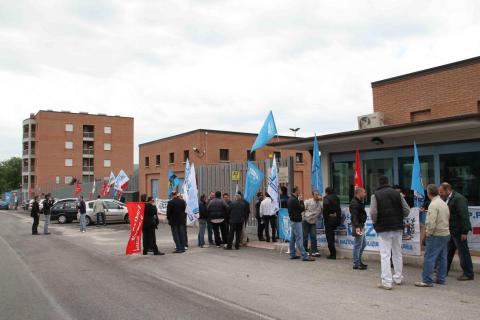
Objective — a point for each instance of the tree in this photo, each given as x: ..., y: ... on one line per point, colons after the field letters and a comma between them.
x: 10, y: 174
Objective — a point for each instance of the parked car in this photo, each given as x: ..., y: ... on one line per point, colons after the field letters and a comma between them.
x: 64, y: 210
x: 40, y: 203
x: 116, y: 212
x: 3, y: 205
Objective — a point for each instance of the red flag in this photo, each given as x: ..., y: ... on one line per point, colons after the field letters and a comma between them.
x: 358, y: 182
x: 104, y: 189
x: 78, y: 188
x: 136, y: 211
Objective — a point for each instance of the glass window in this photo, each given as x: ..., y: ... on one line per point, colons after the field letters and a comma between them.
x: 70, y: 205
x: 186, y: 154
x: 251, y: 155
x: 299, y: 157
x: 374, y: 169
x: 107, y: 146
x: 107, y: 163
x: 462, y: 171
x: 343, y: 180
x: 90, y: 205
x: 68, y: 127
x: 224, y: 155
x: 111, y: 205
x: 405, y: 167
x: 68, y: 144
x: 107, y: 130
x: 277, y: 154
x: 58, y: 206
x: 68, y: 162
x: 68, y: 179
x: 147, y: 161
x: 171, y: 157
x: 157, y: 160
x: 57, y: 179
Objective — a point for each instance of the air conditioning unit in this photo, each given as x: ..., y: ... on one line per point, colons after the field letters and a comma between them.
x: 372, y: 120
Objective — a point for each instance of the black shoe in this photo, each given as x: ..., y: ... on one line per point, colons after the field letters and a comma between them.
x: 158, y: 253
x: 34, y: 233
x: 294, y: 257
x: 237, y: 248
x: 46, y: 233
x: 360, y: 267
x: 363, y: 265
x: 261, y: 239
x: 177, y: 251
x: 268, y: 240
x: 464, y: 278
x: 145, y: 253
x: 274, y: 240
x: 227, y: 248
x: 331, y: 257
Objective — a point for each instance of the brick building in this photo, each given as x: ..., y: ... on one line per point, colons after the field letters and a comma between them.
x: 61, y: 146
x: 204, y: 147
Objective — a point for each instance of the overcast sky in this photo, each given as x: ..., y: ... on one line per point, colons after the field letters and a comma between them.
x: 181, y: 65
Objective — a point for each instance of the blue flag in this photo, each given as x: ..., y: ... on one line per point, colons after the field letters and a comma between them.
x: 253, y: 181
x: 173, y: 183
x: 417, y: 185
x: 268, y: 131
x: 317, y: 179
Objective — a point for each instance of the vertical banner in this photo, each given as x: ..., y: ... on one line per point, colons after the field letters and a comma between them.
x: 253, y: 181
x: 284, y: 224
x: 136, y: 211
x: 190, y: 193
x: 474, y: 236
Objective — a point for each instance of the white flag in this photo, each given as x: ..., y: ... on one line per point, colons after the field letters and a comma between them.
x: 272, y: 188
x: 190, y: 192
x: 121, y: 181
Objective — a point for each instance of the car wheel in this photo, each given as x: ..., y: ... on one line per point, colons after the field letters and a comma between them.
x: 62, y: 219
x: 88, y: 220
x: 126, y: 219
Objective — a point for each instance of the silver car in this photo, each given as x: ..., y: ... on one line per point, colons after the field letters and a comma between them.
x: 116, y: 211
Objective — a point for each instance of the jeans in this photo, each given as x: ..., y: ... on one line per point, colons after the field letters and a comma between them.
x: 210, y: 233
x: 435, y: 253
x: 358, y: 247
x: 310, y: 231
x: 270, y: 221
x: 83, y: 222
x: 391, y: 247
x: 260, y: 228
x: 220, y: 228
x: 178, y: 234
x: 455, y: 244
x: 46, y: 222
x: 101, y: 218
x: 36, y: 220
x: 202, y: 223
x: 235, y: 230
x: 297, y: 239
x: 330, y: 235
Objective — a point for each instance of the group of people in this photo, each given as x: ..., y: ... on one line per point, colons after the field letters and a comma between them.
x: 45, y: 209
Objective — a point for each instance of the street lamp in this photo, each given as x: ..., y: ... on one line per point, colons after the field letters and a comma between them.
x: 294, y: 130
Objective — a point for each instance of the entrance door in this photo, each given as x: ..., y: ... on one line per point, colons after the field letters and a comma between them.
x: 154, y: 188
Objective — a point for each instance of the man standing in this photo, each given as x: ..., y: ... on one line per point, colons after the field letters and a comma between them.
x: 359, y: 217
x: 437, y: 237
x: 177, y: 219
x: 332, y: 215
x: 459, y: 228
x: 237, y: 217
x: 295, y: 209
x: 268, y: 212
x: 217, y: 212
x: 226, y: 198
x: 209, y: 224
x: 82, y: 209
x: 47, y: 206
x: 202, y: 221
x: 150, y: 223
x: 388, y: 209
x: 244, y: 239
x: 34, y: 213
x: 260, y: 225
x: 99, y: 210
x: 313, y: 209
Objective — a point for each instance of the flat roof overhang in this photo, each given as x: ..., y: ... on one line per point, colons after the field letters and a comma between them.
x: 458, y: 128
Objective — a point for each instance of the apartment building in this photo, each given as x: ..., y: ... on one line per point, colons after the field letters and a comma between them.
x: 61, y: 146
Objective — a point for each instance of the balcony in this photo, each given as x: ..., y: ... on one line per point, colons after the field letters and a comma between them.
x: 88, y: 153
x: 25, y: 152
x: 88, y: 136
x: 87, y: 169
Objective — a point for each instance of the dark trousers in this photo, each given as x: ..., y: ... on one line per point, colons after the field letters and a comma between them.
x: 260, y: 228
x: 36, y: 221
x: 463, y: 254
x: 217, y: 229
x: 186, y: 237
x: 178, y: 234
x: 101, y: 218
x: 210, y: 233
x: 235, y: 230
x: 149, y: 240
x: 330, y: 235
x: 270, y: 220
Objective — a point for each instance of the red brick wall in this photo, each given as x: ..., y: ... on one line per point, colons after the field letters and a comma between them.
x: 447, y: 92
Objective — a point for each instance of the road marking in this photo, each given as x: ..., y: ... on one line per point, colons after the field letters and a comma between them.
x: 57, y: 307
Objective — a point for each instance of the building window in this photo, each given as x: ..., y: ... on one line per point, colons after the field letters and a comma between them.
x: 277, y: 154
x: 405, y: 168
x: 107, y: 130
x: 68, y: 162
x: 147, y: 161
x: 185, y: 155
x: 57, y: 179
x: 343, y: 175
x: 224, y: 155
x: 68, y: 179
x: 157, y: 160
x: 299, y: 157
x: 374, y: 169
x: 251, y: 156
x: 171, y: 158
x: 68, y: 127
x: 107, y: 146
x: 462, y: 171
x: 68, y: 145
x: 107, y: 163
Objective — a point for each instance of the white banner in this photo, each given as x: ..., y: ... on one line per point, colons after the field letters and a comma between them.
x: 161, y: 205
x: 474, y: 236
x: 344, y: 238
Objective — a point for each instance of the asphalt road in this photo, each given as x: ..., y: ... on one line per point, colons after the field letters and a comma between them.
x: 73, y: 275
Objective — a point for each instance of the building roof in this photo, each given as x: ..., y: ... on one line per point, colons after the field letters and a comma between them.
x: 212, y: 131
x: 83, y: 113
x: 372, y: 132
x: 458, y: 64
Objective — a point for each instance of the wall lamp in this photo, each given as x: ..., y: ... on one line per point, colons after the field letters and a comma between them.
x: 199, y: 153
x: 376, y: 140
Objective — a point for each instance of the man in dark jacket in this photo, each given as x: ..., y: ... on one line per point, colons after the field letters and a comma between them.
x: 217, y: 213
x: 459, y: 228
x: 236, y: 211
x: 150, y: 223
x: 244, y: 239
x: 34, y: 213
x: 47, y: 206
x: 260, y: 224
x: 202, y: 221
x: 332, y: 215
x: 82, y: 210
x: 177, y: 219
x: 388, y: 209
x: 359, y: 217
x: 295, y: 209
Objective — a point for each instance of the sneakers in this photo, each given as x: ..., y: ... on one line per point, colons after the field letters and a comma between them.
x: 331, y: 257
x: 464, y: 278
x: 384, y: 287
x: 159, y: 253
x: 423, y: 284
x: 316, y: 255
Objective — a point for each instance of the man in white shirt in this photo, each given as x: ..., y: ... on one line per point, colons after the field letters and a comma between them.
x: 313, y: 209
x: 268, y: 210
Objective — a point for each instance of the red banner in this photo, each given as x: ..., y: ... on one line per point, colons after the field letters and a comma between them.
x: 136, y: 211
x: 358, y: 182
